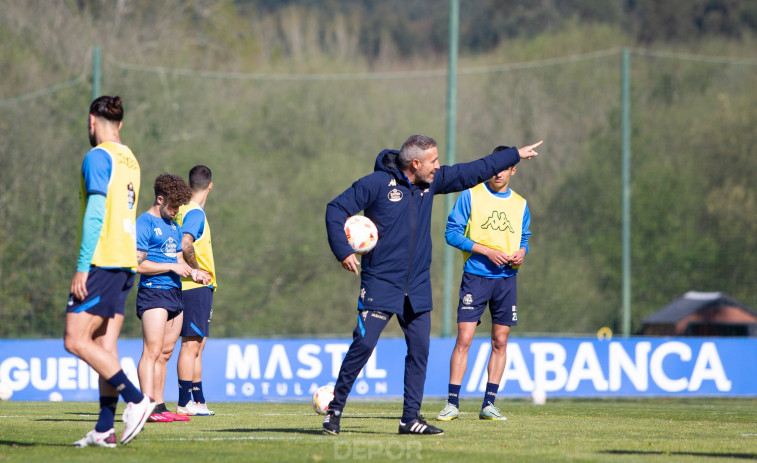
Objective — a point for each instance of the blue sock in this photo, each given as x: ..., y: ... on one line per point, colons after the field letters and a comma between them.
x: 185, y: 392
x: 107, y: 413
x: 125, y: 387
x: 197, y: 393
x: 454, y: 394
x: 491, y: 394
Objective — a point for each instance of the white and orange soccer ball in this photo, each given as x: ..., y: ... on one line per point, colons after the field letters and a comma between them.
x: 361, y: 233
x: 321, y: 399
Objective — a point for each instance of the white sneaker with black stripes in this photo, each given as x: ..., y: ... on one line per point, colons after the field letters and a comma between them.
x: 419, y: 426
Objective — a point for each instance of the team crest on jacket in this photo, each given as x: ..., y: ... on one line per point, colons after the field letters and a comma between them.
x: 394, y: 195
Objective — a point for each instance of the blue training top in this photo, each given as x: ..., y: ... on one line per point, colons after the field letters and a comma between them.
x: 161, y: 239
x: 194, y: 223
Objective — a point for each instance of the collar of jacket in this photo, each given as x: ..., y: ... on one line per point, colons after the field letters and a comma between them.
x: 386, y: 161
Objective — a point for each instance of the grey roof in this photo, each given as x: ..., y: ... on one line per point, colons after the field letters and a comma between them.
x: 692, y: 302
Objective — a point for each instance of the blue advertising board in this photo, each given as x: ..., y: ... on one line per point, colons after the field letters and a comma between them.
x: 291, y: 369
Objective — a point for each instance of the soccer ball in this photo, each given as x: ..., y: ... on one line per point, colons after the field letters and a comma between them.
x: 321, y: 399
x: 5, y: 391
x: 55, y: 396
x: 361, y: 233
x: 539, y: 396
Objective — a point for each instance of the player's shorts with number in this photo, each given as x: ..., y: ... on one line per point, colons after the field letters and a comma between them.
x: 499, y: 293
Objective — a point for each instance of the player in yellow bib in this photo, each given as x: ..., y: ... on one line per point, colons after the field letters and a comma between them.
x: 198, y: 298
x: 109, y: 189
x: 490, y: 224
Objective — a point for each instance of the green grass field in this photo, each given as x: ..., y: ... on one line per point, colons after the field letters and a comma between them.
x: 679, y: 430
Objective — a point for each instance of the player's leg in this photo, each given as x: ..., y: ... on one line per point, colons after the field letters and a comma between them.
x: 504, y: 315
x: 457, y: 365
x: 459, y: 359
x: 170, y: 336
x: 104, y: 305
x: 417, y: 330
x: 198, y: 311
x: 198, y: 363
x: 370, y: 324
x: 470, y: 307
x: 498, y: 357
x: 153, y: 333
x: 107, y: 338
x: 496, y: 367
x: 173, y: 328
x: 197, y: 392
x: 103, y: 435
x: 185, y: 368
x: 79, y: 340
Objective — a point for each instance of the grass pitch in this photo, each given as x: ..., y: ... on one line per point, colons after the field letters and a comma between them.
x: 649, y: 430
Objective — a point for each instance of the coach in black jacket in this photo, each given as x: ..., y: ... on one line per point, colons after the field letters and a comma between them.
x: 395, y: 279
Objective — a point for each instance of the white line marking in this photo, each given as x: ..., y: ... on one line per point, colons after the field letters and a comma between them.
x: 221, y: 438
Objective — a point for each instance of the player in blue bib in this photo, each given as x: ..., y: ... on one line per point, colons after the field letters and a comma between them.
x: 159, y: 299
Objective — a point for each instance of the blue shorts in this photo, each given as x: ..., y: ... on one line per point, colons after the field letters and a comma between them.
x: 198, y: 310
x: 499, y: 293
x: 106, y: 292
x: 169, y: 299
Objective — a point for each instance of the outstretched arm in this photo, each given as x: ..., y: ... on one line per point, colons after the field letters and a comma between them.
x: 458, y: 177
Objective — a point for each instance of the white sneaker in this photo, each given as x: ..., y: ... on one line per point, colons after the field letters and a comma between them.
x: 99, y: 439
x: 135, y: 416
x: 194, y: 409
x: 449, y: 413
x: 490, y: 412
x: 204, y: 408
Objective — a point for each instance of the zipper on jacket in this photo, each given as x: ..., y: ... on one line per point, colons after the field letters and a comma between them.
x: 412, y: 238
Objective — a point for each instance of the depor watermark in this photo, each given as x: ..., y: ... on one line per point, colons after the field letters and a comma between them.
x: 396, y: 449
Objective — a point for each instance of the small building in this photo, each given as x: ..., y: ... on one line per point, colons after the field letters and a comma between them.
x: 702, y: 314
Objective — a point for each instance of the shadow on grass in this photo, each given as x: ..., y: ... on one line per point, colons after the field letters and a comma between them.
x: 66, y: 420
x: 372, y: 417
x: 742, y: 456
x: 316, y: 432
x: 13, y: 443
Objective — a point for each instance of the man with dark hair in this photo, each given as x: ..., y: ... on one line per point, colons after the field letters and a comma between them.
x: 110, y: 179
x: 159, y: 299
x: 490, y: 223
x: 395, y: 279
x: 198, y: 298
